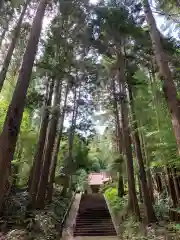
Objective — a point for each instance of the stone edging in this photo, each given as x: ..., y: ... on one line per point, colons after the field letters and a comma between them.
x: 112, y: 216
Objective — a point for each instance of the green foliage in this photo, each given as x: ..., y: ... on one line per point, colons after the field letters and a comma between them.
x: 100, y: 153
x: 80, y: 180
x: 161, y: 206
x: 15, y: 207
x: 80, y: 154
x: 132, y: 230
x: 3, y: 109
x: 60, y: 206
x: 108, y: 185
x: 116, y: 203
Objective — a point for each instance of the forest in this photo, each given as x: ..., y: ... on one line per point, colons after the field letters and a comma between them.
x: 68, y: 69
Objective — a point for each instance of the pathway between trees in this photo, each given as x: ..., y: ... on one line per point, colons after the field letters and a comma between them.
x: 89, y: 218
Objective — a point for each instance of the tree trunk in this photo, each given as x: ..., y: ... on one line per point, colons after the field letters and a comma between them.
x: 119, y: 140
x: 142, y: 173
x: 10, y: 51
x: 43, y: 183
x: 158, y: 182
x: 69, y: 165
x: 169, y: 87
x: 140, y: 190
x: 73, y: 123
x: 36, y: 169
x: 56, y: 150
x: 120, y: 185
x: 69, y: 168
x: 13, y: 119
x: 171, y: 187
x: 176, y: 186
x: 148, y: 171
x: 127, y: 140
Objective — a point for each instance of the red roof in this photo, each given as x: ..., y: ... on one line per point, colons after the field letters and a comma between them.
x: 98, y: 178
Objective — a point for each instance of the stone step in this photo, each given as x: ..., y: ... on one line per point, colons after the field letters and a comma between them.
x: 95, y: 234
x: 94, y: 220
x: 94, y: 228
x: 93, y: 217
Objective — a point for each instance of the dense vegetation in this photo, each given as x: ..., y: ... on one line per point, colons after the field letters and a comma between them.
x: 67, y: 65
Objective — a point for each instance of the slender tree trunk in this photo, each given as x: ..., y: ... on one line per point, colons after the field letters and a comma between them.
x: 10, y: 51
x: 56, y: 150
x: 158, y: 182
x: 120, y: 185
x: 164, y: 180
x: 10, y: 131
x: 43, y: 183
x: 171, y: 187
x: 36, y: 169
x: 142, y: 173
x: 169, y: 87
x: 140, y: 190
x: 119, y: 140
x: 69, y: 169
x: 148, y: 171
x: 176, y: 186
x: 69, y: 166
x: 127, y: 139
x: 73, y: 123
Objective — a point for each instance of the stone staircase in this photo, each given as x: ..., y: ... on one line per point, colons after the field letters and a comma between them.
x: 93, y: 218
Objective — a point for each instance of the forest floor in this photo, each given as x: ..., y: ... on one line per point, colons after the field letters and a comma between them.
x: 129, y: 228
x: 38, y: 225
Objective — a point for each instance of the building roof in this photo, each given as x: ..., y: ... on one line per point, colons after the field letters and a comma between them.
x: 98, y: 178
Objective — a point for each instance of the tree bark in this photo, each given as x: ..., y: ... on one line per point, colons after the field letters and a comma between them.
x: 176, y: 186
x: 36, y: 169
x: 151, y: 217
x: 171, y: 187
x: 9, y: 135
x: 56, y: 150
x: 73, y: 123
x: 169, y: 87
x: 127, y: 139
x: 158, y: 182
x: 120, y: 185
x: 47, y: 157
x: 119, y: 140
x: 148, y: 171
x: 10, y: 51
x: 140, y: 190
x: 68, y: 164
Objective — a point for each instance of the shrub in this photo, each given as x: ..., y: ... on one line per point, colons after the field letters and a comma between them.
x: 107, y: 185
x: 60, y: 206
x: 116, y: 203
x: 161, y: 206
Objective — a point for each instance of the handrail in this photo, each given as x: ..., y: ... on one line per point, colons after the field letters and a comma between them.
x: 66, y: 213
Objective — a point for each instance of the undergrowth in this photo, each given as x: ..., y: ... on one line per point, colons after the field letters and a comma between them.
x: 116, y: 203
x: 161, y: 206
x: 37, y: 225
